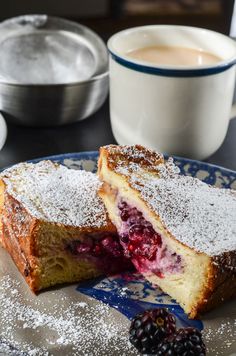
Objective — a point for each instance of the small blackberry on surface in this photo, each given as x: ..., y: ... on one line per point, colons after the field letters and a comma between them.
x: 185, y: 342
x: 149, y: 328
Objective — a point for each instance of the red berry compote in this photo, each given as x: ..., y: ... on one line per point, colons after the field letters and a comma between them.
x: 144, y: 245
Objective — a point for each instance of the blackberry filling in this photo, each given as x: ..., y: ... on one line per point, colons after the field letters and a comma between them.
x: 106, y: 253
x: 144, y: 245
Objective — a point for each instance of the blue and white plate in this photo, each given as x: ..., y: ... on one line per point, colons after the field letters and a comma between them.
x: 127, y: 293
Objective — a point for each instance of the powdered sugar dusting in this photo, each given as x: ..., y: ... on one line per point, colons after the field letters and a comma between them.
x: 200, y: 216
x: 57, y: 194
x: 70, y: 328
x: 224, y: 331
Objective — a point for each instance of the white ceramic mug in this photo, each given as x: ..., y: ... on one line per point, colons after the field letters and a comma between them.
x: 177, y: 110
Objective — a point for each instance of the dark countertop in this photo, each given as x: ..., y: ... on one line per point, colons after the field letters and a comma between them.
x: 24, y: 143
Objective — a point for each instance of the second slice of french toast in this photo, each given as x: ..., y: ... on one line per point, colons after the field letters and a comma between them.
x: 179, y: 232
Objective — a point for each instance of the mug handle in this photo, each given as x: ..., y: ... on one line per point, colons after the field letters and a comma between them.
x: 233, y: 112
x: 3, y: 131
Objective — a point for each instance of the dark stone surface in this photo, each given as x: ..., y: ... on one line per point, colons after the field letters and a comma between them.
x: 24, y: 143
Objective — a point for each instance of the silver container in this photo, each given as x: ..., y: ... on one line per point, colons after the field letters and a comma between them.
x: 52, y: 71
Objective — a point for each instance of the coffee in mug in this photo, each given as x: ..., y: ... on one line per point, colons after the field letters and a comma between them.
x: 180, y: 56
x: 178, y: 108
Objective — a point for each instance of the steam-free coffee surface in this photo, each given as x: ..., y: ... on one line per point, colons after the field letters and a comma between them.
x: 177, y: 56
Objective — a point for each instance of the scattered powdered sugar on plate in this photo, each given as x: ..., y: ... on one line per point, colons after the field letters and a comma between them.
x: 221, y: 337
x: 69, y: 328
x: 57, y: 194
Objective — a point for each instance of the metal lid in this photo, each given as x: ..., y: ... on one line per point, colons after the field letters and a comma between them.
x: 39, y: 49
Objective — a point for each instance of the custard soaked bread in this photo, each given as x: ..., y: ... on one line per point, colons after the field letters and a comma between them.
x: 55, y: 226
x: 179, y: 232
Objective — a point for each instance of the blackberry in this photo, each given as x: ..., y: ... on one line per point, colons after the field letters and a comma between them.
x: 185, y: 342
x: 149, y: 328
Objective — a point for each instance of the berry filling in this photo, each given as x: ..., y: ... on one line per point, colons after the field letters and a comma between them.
x: 144, y: 245
x: 105, y: 252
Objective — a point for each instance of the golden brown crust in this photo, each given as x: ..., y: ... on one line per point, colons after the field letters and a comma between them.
x: 2, y: 189
x: 221, y: 283
x: 24, y: 265
x: 121, y: 156
x: 19, y: 231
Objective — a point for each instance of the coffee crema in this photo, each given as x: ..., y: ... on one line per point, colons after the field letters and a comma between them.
x: 171, y: 55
